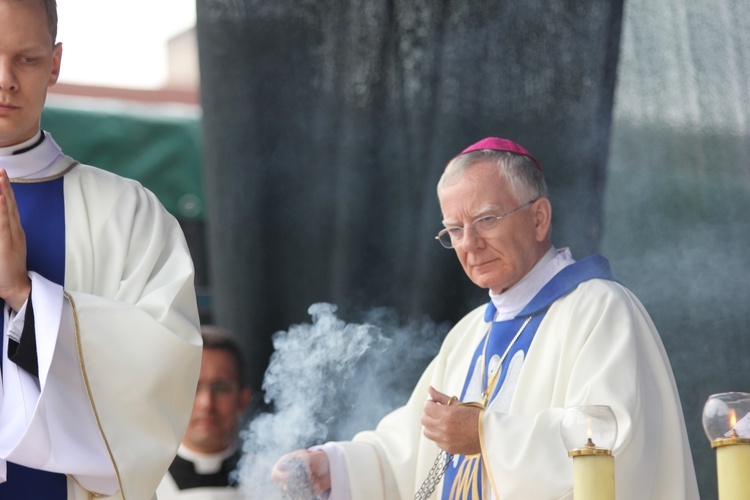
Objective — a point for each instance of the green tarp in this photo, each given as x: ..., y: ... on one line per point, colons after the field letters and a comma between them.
x: 157, y: 145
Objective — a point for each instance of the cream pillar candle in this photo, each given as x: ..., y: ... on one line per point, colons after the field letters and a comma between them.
x: 730, y: 437
x: 589, y: 434
x: 733, y: 468
x: 593, y: 474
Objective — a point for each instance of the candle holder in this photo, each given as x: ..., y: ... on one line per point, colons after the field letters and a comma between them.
x: 726, y: 421
x: 589, y: 433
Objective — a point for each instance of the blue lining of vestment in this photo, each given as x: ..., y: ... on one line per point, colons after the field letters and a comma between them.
x: 501, y: 333
x: 41, y: 206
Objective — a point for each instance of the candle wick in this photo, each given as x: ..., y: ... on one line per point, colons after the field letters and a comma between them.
x: 734, y: 433
x: 590, y: 443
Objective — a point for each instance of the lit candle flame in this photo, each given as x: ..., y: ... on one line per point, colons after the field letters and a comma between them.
x: 732, y: 418
x: 589, y: 441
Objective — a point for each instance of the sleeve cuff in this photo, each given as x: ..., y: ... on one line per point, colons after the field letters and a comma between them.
x: 22, y: 338
x: 338, y: 470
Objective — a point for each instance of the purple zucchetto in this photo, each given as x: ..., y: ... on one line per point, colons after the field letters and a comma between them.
x: 497, y: 144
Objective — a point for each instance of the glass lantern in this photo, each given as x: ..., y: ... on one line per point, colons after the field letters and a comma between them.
x: 726, y: 418
x: 589, y: 430
x: 589, y: 434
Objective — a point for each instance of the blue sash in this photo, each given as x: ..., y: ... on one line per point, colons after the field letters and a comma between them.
x: 463, y: 478
x: 42, y: 211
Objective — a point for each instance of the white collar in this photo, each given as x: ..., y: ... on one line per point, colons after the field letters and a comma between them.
x: 9, y: 150
x: 40, y: 161
x: 205, y: 463
x: 512, y: 301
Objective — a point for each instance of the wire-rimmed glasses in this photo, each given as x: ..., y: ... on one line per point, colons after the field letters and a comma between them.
x: 452, y: 236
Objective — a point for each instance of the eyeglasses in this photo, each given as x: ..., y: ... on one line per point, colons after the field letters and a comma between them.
x: 454, y: 235
x: 218, y: 388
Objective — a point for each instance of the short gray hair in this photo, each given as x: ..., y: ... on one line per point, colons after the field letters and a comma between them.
x: 523, y: 174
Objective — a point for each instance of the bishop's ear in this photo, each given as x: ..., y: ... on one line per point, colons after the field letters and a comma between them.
x: 542, y: 211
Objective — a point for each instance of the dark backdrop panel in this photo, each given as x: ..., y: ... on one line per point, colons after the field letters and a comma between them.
x: 327, y: 125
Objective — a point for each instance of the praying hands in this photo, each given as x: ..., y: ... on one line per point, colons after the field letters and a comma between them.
x: 15, y: 284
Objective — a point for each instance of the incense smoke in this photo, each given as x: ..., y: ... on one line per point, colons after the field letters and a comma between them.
x: 328, y: 380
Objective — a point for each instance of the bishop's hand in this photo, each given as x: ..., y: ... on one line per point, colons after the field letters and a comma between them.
x: 15, y: 284
x: 301, y: 471
x: 453, y: 427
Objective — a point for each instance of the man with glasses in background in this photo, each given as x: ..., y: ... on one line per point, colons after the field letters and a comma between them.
x: 209, y: 452
x: 484, y: 419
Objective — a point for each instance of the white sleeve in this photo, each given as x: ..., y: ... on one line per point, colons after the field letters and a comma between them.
x: 338, y: 470
x: 56, y: 407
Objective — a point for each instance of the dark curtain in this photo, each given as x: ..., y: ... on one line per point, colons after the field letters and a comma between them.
x: 678, y: 231
x: 327, y: 125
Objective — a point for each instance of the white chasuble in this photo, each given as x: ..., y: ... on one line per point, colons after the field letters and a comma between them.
x: 595, y: 345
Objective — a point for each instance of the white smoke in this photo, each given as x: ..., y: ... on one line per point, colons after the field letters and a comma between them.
x: 328, y: 380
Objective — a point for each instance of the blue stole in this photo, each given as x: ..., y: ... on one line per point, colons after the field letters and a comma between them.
x: 463, y: 478
x: 42, y: 209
